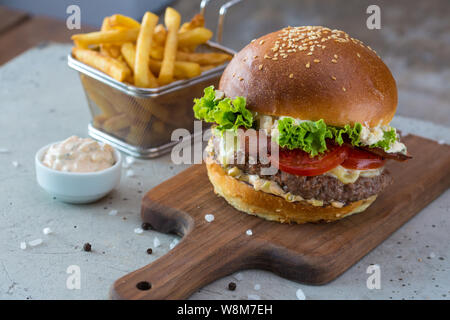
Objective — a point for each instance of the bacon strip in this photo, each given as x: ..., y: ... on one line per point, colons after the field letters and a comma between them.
x: 394, y: 156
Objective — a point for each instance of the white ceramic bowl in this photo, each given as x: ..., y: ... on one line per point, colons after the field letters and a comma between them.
x: 77, y: 187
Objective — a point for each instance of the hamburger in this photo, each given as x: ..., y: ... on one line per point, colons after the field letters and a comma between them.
x: 323, y: 101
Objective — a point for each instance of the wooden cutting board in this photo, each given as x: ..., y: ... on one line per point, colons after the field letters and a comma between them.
x: 309, y: 253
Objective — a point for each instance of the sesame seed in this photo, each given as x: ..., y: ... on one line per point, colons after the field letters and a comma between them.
x: 343, y: 89
x: 261, y: 42
x: 245, y: 59
x: 334, y: 60
x: 253, y: 41
x: 241, y: 79
x: 333, y: 77
x: 359, y: 56
x: 274, y: 58
x: 308, y: 65
x: 316, y: 60
x: 254, y: 57
x: 291, y: 75
x: 336, y: 56
x: 309, y: 53
x: 234, y: 74
x: 266, y: 56
x: 260, y: 67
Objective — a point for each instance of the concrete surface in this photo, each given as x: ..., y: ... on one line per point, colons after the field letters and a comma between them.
x: 41, y: 101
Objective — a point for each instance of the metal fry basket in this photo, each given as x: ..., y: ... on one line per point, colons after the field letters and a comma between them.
x: 140, y: 121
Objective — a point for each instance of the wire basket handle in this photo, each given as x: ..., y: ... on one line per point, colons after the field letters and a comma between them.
x: 222, y: 12
x: 203, y: 5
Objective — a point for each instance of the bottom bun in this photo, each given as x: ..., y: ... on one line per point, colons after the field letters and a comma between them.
x: 270, y: 207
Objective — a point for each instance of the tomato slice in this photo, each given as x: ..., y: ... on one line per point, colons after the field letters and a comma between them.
x: 362, y: 160
x: 300, y: 163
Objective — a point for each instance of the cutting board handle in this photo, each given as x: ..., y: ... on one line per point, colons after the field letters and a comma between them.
x: 199, y: 258
x: 170, y: 277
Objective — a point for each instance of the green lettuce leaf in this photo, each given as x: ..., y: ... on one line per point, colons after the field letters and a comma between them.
x: 389, y: 137
x: 226, y: 113
x: 308, y: 135
x: 352, y: 133
x: 311, y: 136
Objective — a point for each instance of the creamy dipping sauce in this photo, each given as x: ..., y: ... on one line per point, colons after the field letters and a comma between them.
x: 79, y: 155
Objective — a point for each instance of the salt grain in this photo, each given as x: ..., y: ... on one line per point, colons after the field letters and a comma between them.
x: 239, y: 276
x: 300, y: 295
x: 130, y: 160
x: 173, y: 244
x: 113, y: 212
x: 209, y: 217
x: 47, y: 231
x: 257, y: 287
x: 249, y: 232
x: 15, y: 164
x: 23, y: 245
x: 254, y: 297
x: 36, y: 242
x: 156, y: 242
x: 138, y: 230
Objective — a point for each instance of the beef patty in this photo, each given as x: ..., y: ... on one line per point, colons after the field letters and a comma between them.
x: 321, y: 187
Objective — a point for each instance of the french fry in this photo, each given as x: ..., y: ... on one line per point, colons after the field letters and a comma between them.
x: 99, y: 119
x: 142, y: 74
x: 159, y: 111
x: 101, y: 102
x: 160, y: 35
x: 117, y: 123
x: 147, y: 136
x: 197, y: 21
x: 118, y: 20
x: 158, y: 127
x: 210, y: 58
x: 207, y: 67
x: 172, y: 19
x: 136, y: 135
x: 113, y: 67
x: 194, y: 37
x: 114, y: 51
x: 106, y: 37
x: 182, y: 69
x: 128, y: 51
x: 157, y: 52
x: 107, y: 49
x: 99, y: 93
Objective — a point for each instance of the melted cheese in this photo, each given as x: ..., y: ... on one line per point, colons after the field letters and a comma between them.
x: 350, y: 176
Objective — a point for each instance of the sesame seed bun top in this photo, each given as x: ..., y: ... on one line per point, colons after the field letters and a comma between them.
x: 313, y: 73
